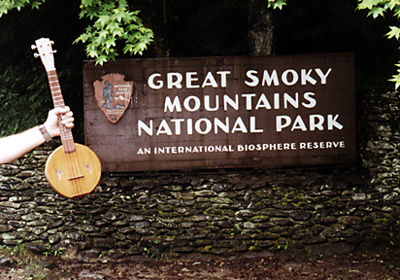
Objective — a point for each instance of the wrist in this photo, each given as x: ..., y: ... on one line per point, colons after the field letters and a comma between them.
x: 46, y: 135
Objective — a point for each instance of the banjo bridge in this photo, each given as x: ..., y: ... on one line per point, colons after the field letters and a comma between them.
x: 76, y: 177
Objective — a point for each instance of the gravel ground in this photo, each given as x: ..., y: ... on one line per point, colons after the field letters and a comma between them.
x: 379, y: 263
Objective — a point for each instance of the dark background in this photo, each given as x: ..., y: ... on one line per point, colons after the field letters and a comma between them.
x: 182, y: 29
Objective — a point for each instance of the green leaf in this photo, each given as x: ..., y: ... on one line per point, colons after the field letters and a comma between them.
x: 276, y: 4
x: 110, y: 43
x: 128, y: 48
x: 396, y: 80
x: 366, y: 4
x: 93, y: 53
x: 103, y: 34
x: 279, y: 4
x: 392, y: 4
x: 112, y: 25
x: 394, y: 32
x: 376, y: 12
x: 104, y: 19
x: 36, y: 4
x: 101, y: 59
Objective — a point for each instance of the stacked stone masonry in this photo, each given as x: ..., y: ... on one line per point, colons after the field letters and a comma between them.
x: 324, y: 211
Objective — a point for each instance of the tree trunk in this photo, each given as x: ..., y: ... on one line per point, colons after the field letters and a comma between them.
x: 261, y: 30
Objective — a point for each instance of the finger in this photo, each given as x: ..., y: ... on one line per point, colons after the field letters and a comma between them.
x: 62, y: 110
x: 69, y: 122
x: 67, y: 115
x: 67, y: 119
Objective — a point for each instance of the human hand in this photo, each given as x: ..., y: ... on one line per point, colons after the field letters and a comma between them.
x: 51, y: 123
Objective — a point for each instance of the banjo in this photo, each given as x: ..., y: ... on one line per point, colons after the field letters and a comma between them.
x: 73, y: 170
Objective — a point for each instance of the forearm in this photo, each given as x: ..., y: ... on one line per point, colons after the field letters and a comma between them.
x: 15, y: 146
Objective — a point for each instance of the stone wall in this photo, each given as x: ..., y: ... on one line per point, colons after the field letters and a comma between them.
x: 324, y: 211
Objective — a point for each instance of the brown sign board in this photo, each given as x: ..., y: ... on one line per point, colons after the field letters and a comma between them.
x: 225, y: 112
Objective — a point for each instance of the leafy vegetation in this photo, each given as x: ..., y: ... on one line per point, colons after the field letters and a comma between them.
x: 7, y: 5
x: 112, y: 21
x: 378, y: 8
x: 19, y: 110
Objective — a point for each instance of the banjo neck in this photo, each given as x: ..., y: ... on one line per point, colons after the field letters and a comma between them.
x: 66, y: 136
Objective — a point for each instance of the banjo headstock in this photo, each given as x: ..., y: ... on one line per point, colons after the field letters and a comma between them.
x: 45, y: 52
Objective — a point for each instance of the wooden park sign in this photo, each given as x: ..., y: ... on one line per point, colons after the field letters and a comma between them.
x: 221, y: 112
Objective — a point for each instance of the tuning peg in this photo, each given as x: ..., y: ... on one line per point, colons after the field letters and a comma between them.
x: 52, y: 42
x: 33, y: 47
x: 54, y: 51
x: 36, y: 55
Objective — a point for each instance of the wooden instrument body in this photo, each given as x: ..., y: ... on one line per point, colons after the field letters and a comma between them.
x: 73, y: 174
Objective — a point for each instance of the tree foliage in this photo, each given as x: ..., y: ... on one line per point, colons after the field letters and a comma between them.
x: 111, y: 21
x: 378, y: 8
x: 8, y: 5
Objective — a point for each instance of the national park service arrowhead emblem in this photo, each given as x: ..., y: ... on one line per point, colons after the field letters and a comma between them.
x: 113, y: 95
